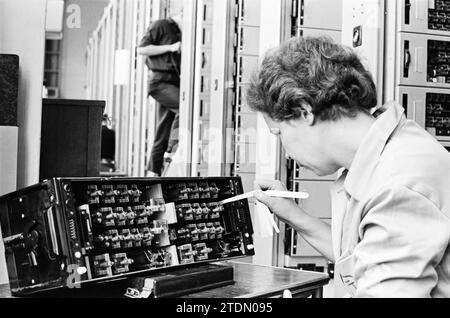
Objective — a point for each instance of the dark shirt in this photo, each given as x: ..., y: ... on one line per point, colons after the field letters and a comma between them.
x: 163, y: 32
x: 108, y: 146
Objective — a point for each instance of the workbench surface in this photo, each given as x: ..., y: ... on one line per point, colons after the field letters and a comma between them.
x: 251, y: 281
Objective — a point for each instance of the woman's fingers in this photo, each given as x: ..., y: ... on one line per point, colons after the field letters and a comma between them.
x: 265, y: 199
x: 264, y: 184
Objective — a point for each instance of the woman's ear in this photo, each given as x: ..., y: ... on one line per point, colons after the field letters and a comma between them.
x: 307, y: 114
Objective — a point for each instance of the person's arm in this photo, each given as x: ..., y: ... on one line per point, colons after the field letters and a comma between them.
x: 149, y: 43
x: 153, y: 50
x: 404, y: 237
x: 313, y: 230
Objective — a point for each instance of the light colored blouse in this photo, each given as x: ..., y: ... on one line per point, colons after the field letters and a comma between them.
x: 390, y: 214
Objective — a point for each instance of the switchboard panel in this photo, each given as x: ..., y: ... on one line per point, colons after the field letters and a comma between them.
x: 424, y: 16
x: 69, y: 231
x: 423, y: 60
x: 429, y: 107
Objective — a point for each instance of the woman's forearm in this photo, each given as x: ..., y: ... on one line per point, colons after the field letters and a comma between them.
x: 315, y: 231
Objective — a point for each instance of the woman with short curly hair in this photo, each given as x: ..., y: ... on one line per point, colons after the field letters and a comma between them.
x: 390, y: 229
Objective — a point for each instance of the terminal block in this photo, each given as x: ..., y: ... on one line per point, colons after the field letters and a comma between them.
x: 127, y: 238
x: 142, y: 213
x: 203, y: 231
x: 215, y: 210
x: 135, y: 193
x: 185, y: 212
x: 130, y: 216
x: 214, y: 190
x: 204, y: 190
x: 114, y: 239
x: 193, y: 231
x: 136, y: 237
x: 193, y: 191
x: 184, y: 234
x: 105, y: 216
x: 183, y: 191
x: 102, y: 265
x: 123, y: 195
x: 160, y: 258
x: 109, y: 194
x: 156, y: 205
x: 120, y: 216
x: 121, y: 263
x: 197, y: 211
x: 120, y: 226
x: 147, y: 236
x: 93, y: 194
x: 202, y: 252
x: 186, y: 254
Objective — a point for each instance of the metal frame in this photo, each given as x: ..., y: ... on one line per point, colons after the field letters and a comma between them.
x: 418, y: 17
x: 221, y: 88
x: 416, y: 106
x: 184, y: 152
x: 197, y: 142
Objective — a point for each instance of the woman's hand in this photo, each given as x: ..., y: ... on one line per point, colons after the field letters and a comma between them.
x: 284, y: 209
x: 313, y: 230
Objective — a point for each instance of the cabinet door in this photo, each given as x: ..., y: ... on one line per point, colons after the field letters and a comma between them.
x: 429, y: 107
x: 423, y: 60
x: 424, y: 16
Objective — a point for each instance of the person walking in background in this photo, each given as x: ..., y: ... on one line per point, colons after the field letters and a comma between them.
x: 162, y: 47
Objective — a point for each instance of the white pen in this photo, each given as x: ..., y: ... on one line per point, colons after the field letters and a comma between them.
x: 270, y: 193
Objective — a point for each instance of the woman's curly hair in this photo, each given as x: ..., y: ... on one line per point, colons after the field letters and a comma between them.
x: 313, y: 70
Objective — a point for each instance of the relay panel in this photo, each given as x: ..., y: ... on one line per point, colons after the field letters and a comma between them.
x: 429, y: 107
x: 66, y: 232
x: 438, y: 114
x: 425, y: 16
x: 424, y: 60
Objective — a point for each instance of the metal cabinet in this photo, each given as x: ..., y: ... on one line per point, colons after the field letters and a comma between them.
x: 319, y: 14
x: 423, y: 60
x: 424, y: 16
x: 429, y: 107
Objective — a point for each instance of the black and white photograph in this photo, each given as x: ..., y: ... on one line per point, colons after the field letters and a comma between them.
x: 226, y: 155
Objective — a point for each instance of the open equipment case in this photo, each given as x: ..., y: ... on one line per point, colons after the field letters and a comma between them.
x: 66, y: 232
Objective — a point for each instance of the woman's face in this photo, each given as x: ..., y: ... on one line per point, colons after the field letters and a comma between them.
x: 303, y: 143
